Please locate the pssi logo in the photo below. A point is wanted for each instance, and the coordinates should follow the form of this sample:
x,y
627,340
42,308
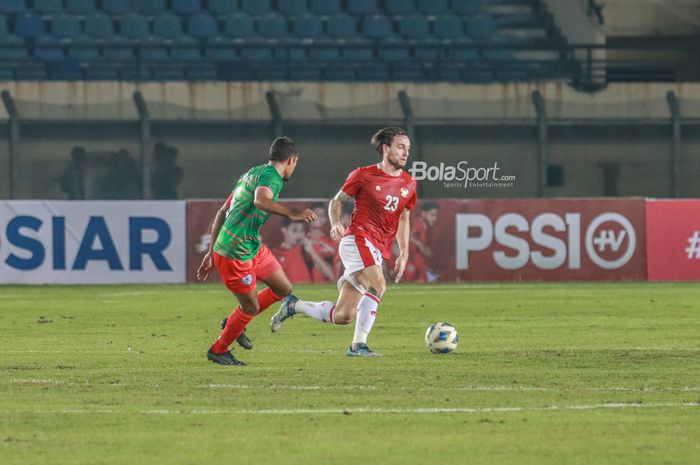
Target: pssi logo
x,y
29,253
610,240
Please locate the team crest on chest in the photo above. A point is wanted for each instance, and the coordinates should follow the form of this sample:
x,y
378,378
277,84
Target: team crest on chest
x,y
378,188
404,192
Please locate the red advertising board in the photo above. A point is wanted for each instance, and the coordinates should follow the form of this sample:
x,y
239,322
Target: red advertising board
x,y
673,240
481,240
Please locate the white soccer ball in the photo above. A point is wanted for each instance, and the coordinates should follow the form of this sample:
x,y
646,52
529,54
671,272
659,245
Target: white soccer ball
x,y
441,338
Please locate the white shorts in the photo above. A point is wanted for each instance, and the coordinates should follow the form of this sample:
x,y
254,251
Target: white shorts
x,y
357,253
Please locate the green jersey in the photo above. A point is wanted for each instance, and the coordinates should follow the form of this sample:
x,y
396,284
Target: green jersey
x,y
239,237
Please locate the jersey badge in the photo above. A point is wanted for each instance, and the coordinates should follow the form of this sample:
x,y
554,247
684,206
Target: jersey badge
x,y
247,279
378,188
404,192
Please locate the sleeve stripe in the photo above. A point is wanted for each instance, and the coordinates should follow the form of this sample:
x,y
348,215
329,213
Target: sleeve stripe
x,y
268,188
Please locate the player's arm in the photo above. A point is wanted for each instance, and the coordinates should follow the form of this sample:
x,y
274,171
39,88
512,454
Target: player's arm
x,y
335,209
422,246
403,235
263,201
207,262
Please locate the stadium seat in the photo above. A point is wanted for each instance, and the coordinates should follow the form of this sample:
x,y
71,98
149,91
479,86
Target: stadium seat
x,y
256,7
414,27
362,7
34,71
449,27
150,7
81,7
358,49
466,7
342,26
434,7
83,49
65,26
134,26
186,7
14,47
202,72
152,50
29,25
377,27
116,7
186,49
239,26
48,6
481,27
99,26
324,50
308,26
222,7
220,49
119,49
12,6
373,72
64,70
48,48
408,71
326,7
465,51
202,25
292,7
167,26
393,49
400,7
272,26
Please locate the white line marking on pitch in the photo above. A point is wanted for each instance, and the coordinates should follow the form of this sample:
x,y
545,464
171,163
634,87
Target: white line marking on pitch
x,y
420,411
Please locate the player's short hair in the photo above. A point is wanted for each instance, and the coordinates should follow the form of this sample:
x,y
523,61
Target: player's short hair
x,y
282,149
385,137
427,206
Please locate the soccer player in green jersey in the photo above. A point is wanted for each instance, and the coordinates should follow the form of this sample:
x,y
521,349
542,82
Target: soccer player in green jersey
x,y
236,249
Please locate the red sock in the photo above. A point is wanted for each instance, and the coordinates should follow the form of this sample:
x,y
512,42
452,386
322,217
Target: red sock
x,y
238,320
266,298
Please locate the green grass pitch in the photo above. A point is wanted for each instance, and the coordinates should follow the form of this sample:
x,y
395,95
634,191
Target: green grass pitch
x,y
545,374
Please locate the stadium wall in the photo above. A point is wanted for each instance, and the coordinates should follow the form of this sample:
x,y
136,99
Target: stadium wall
x,y
219,129
59,242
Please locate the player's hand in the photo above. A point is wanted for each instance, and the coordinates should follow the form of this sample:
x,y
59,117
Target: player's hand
x,y
205,267
337,231
400,266
306,215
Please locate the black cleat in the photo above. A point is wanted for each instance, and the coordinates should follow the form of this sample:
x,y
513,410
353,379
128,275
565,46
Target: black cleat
x,y
226,358
242,340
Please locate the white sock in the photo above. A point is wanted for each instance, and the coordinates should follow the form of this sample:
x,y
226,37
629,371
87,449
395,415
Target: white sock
x,y
321,311
366,313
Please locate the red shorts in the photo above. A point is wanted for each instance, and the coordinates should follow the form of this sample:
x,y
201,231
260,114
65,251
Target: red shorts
x,y
240,276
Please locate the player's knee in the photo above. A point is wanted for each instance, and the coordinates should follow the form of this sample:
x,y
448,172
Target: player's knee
x,y
284,290
251,308
377,289
343,318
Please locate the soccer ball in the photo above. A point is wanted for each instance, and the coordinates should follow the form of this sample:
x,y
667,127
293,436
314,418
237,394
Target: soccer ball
x,y
441,338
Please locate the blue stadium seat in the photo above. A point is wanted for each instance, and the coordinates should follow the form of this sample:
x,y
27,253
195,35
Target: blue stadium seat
x,y
150,7
256,7
377,27
48,6
408,71
134,26
400,7
362,7
463,51
99,26
373,72
152,49
16,47
257,51
342,26
119,49
202,25
326,7
64,70
116,7
48,48
167,73
167,26
186,49
414,27
308,26
65,26
428,48
186,7
358,49
272,26
324,50
12,6
449,27
29,25
292,7
220,49
481,27
239,26
81,7
434,7
222,7
202,72
83,48
393,49
466,7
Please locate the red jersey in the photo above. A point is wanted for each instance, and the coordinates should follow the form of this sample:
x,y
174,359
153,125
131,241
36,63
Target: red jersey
x,y
379,201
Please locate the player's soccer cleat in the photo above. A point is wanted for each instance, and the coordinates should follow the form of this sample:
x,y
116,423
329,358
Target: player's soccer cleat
x,y
361,351
226,358
286,311
242,340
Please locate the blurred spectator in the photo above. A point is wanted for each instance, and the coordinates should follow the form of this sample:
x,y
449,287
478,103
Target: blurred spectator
x,y
345,220
166,175
419,251
72,180
297,256
123,178
319,234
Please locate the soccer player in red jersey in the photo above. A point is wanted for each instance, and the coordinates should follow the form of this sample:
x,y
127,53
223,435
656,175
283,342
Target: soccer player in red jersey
x,y
384,195
237,251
